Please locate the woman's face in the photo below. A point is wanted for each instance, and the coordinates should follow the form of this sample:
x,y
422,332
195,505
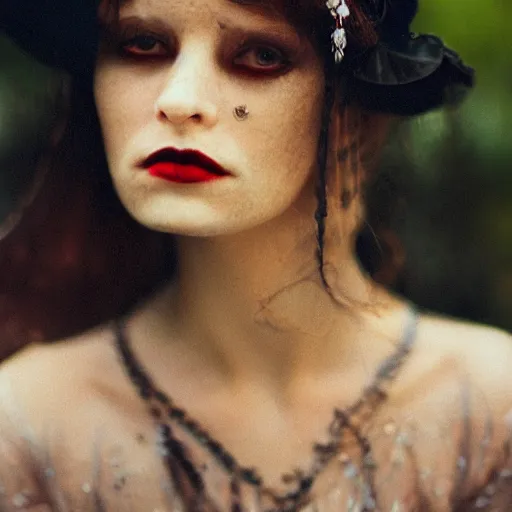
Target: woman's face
x,y
170,74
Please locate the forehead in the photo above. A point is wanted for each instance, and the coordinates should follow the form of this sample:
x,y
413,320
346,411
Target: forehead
x,y
263,4
294,10
270,5
309,17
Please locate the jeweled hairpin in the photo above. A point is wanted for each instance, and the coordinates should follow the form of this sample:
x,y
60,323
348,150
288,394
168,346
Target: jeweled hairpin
x,y
339,11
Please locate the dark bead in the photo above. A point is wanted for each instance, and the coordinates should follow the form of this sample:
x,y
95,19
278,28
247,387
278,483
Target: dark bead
x,y
325,449
162,397
165,430
343,419
178,452
201,438
235,487
176,414
290,496
215,446
306,484
227,460
155,412
251,477
192,426
369,461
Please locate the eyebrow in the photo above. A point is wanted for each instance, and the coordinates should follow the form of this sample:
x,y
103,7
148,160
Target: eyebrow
x,y
267,5
251,2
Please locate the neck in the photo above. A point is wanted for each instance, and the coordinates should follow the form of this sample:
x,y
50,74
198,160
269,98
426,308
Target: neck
x,y
252,306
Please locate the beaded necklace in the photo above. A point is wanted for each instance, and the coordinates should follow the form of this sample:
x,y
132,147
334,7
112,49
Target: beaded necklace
x,y
163,410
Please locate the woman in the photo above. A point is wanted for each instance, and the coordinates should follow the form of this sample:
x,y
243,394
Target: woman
x,y
267,378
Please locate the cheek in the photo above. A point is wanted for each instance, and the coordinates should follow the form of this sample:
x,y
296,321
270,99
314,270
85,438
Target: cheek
x,y
117,117
108,115
291,135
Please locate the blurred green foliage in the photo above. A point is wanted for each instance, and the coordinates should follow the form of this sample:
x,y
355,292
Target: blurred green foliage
x,y
448,172
454,172
27,102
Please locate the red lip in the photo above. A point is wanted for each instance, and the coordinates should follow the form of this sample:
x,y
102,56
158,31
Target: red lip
x,y
183,166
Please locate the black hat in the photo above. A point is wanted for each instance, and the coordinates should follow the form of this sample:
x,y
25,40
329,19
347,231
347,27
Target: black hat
x,y
403,74
59,33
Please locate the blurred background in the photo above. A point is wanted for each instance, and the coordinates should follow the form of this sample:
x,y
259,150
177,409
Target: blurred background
x,y
446,178
455,172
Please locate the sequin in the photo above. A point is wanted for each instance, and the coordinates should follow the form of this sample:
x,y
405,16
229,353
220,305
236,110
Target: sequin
x,y
482,502
49,473
462,463
350,471
490,489
397,456
396,507
403,438
506,473
389,428
425,474
439,491
352,505
20,500
114,462
369,461
160,443
369,501
348,420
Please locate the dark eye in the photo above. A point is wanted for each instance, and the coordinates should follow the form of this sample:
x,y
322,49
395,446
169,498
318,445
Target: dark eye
x,y
262,58
144,46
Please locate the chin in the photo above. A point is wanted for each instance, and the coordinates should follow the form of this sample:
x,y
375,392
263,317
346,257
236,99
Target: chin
x,y
201,226
194,231
196,225
199,216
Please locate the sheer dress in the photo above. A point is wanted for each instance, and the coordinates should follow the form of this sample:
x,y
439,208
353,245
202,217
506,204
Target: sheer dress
x,y
394,459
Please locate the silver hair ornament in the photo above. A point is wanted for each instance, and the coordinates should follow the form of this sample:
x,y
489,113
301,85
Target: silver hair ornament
x,y
340,12
241,113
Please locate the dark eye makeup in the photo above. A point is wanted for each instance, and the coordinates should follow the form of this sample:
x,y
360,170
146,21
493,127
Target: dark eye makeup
x,y
259,56
254,54
143,45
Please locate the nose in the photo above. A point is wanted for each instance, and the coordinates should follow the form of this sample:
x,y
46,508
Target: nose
x,y
189,94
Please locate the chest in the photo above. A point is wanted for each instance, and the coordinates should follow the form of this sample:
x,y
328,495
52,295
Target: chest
x,y
395,467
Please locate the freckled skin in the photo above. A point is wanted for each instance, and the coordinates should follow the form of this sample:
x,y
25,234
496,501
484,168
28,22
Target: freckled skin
x,y
187,101
246,338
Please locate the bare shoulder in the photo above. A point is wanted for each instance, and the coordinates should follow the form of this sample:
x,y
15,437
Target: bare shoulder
x,y
482,354
73,417
455,402
37,386
454,358
44,379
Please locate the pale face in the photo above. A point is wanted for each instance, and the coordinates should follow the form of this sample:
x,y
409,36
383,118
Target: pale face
x,y
186,65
